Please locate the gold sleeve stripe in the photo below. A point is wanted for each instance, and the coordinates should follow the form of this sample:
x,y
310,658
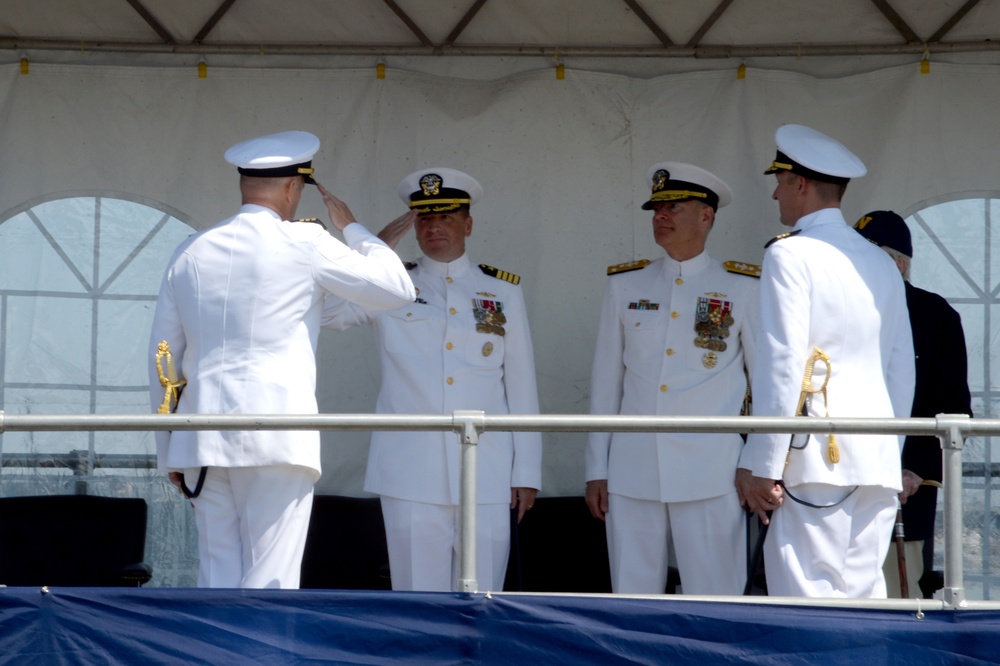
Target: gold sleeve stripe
x,y
674,195
430,202
499,274
781,237
743,268
313,220
628,266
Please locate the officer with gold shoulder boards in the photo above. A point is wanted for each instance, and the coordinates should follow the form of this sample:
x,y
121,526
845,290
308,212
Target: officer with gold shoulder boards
x,y
826,293
464,344
240,306
675,338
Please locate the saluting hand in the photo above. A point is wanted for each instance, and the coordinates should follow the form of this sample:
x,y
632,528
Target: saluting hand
x,y
340,214
395,230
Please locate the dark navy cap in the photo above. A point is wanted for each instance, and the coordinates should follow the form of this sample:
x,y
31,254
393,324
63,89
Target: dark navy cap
x,y
886,229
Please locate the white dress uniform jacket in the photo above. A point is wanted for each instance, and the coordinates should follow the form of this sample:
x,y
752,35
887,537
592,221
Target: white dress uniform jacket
x,y
240,305
828,287
435,361
647,362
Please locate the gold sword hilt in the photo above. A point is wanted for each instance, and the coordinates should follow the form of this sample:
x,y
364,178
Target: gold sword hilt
x,y
166,370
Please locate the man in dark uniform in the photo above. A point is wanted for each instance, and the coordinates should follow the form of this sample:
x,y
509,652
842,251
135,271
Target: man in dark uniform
x,y
942,387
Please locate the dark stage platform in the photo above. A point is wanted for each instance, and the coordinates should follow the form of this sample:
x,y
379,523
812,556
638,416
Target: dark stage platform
x,y
220,627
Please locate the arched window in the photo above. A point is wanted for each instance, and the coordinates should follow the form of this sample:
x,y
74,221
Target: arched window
x,y
957,255
79,277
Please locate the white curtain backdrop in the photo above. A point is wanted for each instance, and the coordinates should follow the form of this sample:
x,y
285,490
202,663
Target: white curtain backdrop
x,y
562,164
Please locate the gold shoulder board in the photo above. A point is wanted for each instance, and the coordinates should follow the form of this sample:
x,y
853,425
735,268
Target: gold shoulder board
x,y
743,268
314,220
499,274
628,266
781,236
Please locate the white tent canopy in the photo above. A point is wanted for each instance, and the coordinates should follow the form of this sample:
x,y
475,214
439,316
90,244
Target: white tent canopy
x,y
687,28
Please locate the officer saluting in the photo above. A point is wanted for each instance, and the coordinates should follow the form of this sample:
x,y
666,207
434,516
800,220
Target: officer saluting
x,y
239,307
675,338
826,292
464,344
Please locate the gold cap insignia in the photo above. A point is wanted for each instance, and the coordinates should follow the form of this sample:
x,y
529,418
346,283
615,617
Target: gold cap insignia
x,y
660,179
430,185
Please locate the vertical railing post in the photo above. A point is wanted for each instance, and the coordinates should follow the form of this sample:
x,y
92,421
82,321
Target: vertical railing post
x,y
468,425
79,462
952,428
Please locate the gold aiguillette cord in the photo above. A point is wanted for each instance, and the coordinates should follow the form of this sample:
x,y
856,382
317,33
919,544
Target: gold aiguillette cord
x,y
833,451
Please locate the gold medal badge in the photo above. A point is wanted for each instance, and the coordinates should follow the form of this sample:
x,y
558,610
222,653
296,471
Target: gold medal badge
x,y
489,317
712,319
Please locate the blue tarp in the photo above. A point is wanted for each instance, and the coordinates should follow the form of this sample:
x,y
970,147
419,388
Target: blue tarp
x,y
220,627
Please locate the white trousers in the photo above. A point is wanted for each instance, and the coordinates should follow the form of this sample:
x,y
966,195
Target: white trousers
x,y
252,524
834,552
709,538
423,544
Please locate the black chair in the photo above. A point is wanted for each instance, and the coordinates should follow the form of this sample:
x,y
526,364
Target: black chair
x,y
559,547
345,546
73,541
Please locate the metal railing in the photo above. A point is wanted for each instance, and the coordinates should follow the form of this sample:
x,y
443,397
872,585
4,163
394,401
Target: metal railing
x,y
951,430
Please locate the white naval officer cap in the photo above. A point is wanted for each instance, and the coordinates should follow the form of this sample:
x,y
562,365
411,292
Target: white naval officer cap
x,y
678,181
276,155
439,190
806,152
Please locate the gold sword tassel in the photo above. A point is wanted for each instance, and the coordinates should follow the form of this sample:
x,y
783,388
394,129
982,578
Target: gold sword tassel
x,y
833,451
169,380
